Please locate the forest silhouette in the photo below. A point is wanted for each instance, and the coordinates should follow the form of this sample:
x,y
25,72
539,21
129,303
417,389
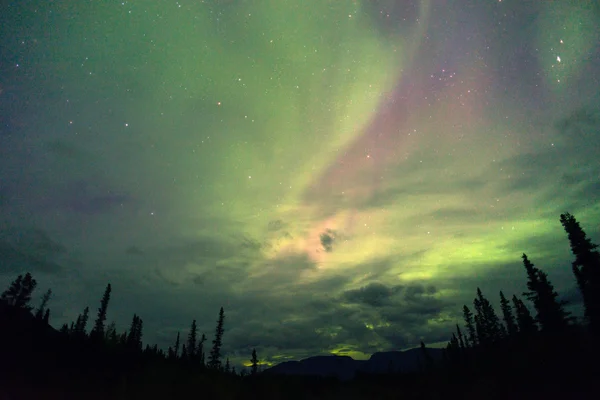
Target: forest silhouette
x,y
532,348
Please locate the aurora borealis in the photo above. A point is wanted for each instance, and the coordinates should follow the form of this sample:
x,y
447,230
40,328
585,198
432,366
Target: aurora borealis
x,y
339,175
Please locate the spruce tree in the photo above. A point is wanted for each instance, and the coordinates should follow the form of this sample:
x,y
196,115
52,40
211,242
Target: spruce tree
x,y
525,321
110,336
214,360
46,317
19,292
550,312
184,355
201,355
176,348
586,269
81,324
191,342
227,367
487,322
470,325
507,316
461,342
134,338
427,357
254,361
39,314
98,330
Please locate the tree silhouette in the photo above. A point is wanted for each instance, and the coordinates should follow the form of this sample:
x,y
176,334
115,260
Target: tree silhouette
x,y
191,341
427,357
201,349
134,338
254,361
175,353
98,330
81,324
470,325
586,269
184,354
110,336
214,360
227,367
39,314
19,292
461,342
525,321
46,317
550,312
507,316
486,321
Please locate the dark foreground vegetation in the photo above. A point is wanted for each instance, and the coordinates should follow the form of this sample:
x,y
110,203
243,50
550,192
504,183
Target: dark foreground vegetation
x,y
517,354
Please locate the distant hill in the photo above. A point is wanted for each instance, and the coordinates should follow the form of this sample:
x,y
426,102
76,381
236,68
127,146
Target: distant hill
x,y
345,368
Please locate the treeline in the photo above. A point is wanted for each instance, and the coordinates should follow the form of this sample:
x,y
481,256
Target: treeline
x,y
41,356
17,298
548,341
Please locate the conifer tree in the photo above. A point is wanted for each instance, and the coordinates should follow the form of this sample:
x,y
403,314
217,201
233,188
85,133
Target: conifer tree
x,y
254,361
201,355
586,269
461,342
507,316
470,325
550,312
19,292
525,321
191,342
39,314
184,355
98,330
109,329
427,357
110,336
227,367
64,329
488,324
134,338
81,324
46,317
214,360
176,348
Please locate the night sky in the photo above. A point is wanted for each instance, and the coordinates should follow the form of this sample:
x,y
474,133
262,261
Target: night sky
x,y
339,175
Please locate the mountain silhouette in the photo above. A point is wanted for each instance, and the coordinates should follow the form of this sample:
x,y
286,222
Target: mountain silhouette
x,y
346,368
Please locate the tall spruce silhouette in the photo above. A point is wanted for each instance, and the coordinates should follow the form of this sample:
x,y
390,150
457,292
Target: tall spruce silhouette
x,y
254,361
486,320
525,321
175,353
19,292
134,337
507,316
214,360
462,341
191,341
470,325
98,329
201,355
79,331
39,314
550,312
427,359
586,269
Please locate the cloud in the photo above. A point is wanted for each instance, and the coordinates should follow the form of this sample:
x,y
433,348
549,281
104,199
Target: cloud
x,y
29,250
374,294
